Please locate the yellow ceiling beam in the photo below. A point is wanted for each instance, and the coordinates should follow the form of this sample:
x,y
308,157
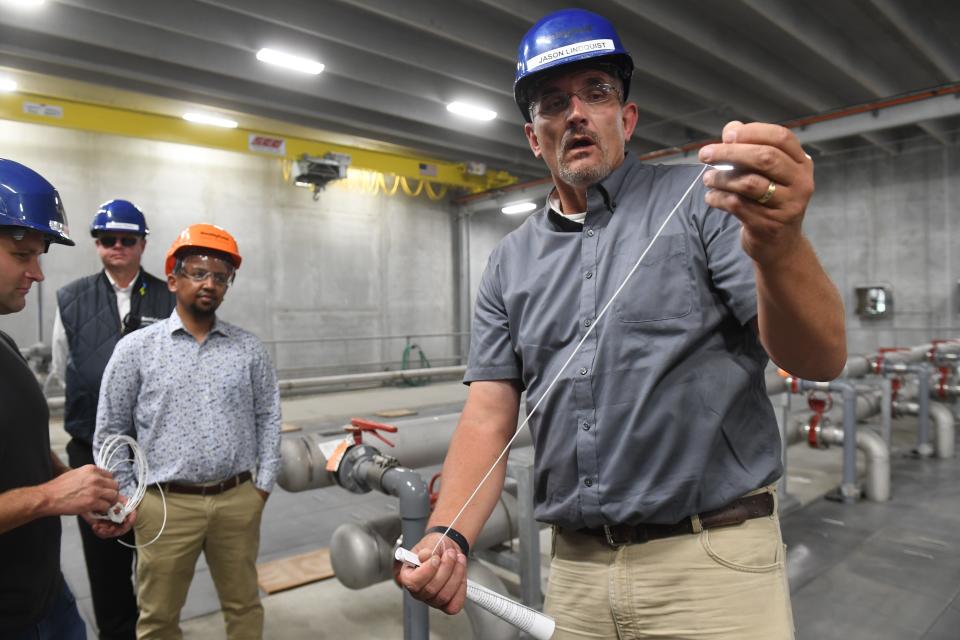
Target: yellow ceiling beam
x,y
69,114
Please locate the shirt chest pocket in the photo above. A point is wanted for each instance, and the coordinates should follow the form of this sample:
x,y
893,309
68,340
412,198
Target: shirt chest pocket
x,y
661,288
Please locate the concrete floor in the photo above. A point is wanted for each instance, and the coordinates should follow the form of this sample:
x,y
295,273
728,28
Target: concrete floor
x,y
862,571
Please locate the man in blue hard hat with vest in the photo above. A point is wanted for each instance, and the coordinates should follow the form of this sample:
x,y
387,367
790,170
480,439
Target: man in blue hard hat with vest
x,y
658,450
93,313
36,488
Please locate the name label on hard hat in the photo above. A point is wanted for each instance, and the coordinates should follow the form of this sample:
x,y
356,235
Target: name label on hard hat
x,y
124,226
568,51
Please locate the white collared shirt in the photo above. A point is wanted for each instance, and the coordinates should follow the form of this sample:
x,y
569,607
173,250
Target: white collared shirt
x,y
60,349
554,202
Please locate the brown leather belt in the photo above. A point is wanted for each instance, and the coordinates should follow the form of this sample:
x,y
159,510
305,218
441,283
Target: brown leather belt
x,y
740,510
208,489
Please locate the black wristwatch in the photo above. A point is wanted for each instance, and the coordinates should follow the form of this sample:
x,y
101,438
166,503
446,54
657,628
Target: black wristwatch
x,y
454,535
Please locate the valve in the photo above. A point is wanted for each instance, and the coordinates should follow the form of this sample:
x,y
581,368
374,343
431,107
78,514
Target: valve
x,y
359,426
434,489
942,369
820,402
881,352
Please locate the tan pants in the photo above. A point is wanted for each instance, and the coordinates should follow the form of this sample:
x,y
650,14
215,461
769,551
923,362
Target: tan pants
x,y
226,527
727,583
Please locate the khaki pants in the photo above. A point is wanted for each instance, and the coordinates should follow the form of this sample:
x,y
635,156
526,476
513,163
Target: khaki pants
x,y
226,527
727,583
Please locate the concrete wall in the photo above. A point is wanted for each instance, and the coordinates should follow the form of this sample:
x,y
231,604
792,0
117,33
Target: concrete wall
x,y
874,218
894,220
354,264
350,264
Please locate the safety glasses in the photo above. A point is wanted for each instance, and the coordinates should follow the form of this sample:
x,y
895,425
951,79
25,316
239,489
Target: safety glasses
x,y
109,241
220,278
554,103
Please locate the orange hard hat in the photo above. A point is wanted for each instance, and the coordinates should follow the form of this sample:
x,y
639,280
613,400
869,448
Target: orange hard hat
x,y
203,236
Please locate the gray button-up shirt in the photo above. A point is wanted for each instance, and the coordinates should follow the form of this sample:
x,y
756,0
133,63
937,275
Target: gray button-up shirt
x,y
201,412
663,413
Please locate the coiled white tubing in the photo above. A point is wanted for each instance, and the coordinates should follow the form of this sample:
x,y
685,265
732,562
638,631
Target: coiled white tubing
x,y
107,459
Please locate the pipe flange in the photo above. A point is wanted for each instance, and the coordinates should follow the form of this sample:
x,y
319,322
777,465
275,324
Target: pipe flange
x,y
347,476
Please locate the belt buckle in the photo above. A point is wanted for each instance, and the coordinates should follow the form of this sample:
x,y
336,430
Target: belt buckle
x,y
611,540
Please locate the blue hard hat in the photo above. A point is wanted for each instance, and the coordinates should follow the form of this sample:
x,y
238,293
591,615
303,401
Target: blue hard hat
x,y
119,216
566,37
28,201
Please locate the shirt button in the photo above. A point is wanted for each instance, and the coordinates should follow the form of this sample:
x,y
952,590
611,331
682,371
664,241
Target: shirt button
x,y
588,275
586,322
586,426
590,232
588,482
583,371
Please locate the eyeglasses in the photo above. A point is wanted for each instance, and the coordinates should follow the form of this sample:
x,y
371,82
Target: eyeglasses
x,y
220,278
556,102
109,241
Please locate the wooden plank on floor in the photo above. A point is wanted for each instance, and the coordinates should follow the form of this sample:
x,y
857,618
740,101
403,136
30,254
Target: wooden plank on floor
x,y
395,413
294,571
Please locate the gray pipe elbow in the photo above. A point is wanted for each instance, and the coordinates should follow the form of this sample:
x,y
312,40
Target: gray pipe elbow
x,y
410,489
877,485
944,436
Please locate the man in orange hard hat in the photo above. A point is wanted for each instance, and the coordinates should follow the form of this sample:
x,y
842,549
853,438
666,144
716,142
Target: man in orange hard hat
x,y
201,397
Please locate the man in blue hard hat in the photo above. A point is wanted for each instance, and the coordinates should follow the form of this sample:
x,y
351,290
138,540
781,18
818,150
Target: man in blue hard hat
x,y
36,488
657,451
93,313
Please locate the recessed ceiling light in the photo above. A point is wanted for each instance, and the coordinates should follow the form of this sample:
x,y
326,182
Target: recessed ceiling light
x,y
471,111
216,121
518,207
28,4
7,85
288,61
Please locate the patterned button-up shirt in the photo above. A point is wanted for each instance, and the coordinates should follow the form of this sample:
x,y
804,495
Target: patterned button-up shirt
x,y
201,412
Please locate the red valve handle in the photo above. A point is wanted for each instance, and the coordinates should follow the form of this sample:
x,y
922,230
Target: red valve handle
x,y
358,426
820,402
433,490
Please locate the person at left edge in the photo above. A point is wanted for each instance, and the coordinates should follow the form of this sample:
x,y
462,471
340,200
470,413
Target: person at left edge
x,y
93,313
36,488
201,397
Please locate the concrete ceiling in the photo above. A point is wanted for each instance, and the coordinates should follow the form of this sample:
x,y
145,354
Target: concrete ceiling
x,y
391,67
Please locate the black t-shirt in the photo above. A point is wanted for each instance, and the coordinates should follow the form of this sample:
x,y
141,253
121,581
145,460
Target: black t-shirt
x,y
29,555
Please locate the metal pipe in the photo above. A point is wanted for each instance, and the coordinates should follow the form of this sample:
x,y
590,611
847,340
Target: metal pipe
x,y
362,553
363,469
848,486
924,448
858,366
414,498
944,431
877,473
300,385
922,392
376,376
420,442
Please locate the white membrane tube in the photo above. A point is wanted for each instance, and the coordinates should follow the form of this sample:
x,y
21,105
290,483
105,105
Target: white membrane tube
x,y
529,620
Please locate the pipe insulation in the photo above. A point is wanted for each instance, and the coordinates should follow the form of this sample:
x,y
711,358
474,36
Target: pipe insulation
x,y
362,553
420,442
